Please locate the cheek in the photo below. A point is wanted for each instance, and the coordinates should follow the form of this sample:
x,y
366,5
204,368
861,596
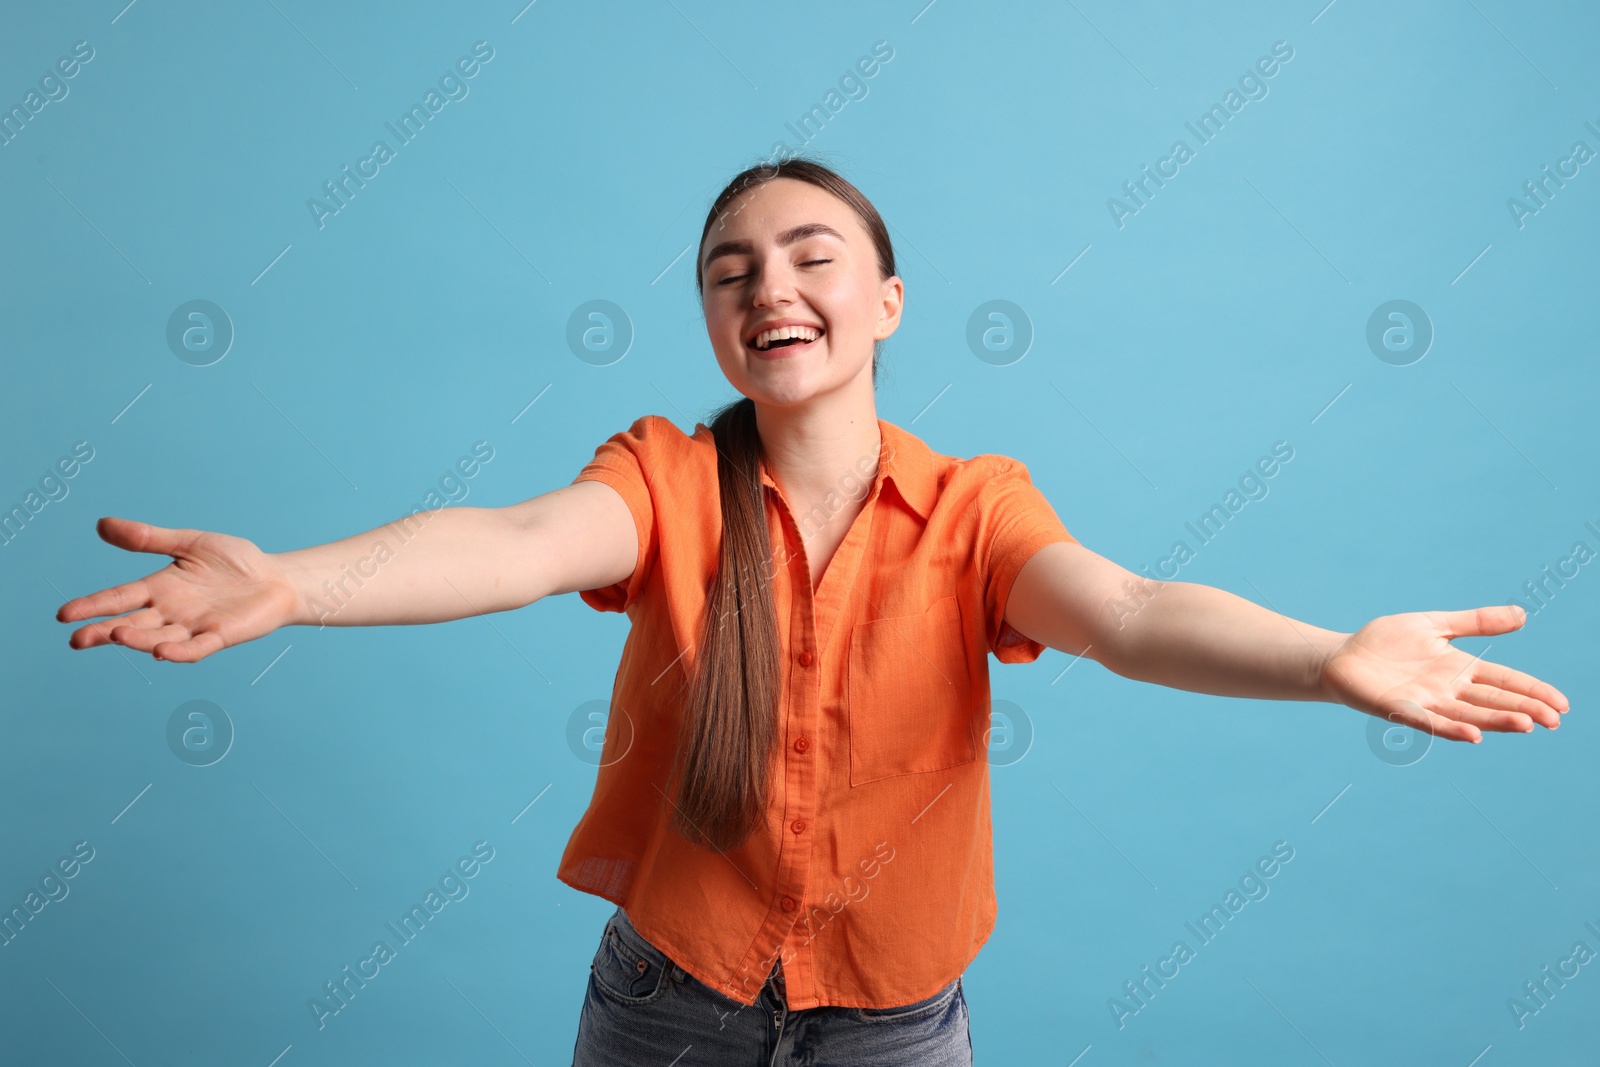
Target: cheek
x,y
727,360
850,303
720,321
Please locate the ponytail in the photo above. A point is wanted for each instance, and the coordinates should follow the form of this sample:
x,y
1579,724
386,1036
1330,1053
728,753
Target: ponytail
x,y
730,723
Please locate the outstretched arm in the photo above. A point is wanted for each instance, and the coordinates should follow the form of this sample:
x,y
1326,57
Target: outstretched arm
x,y
446,564
432,566
1190,636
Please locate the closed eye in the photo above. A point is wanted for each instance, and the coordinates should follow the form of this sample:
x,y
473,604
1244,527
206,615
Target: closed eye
x,y
740,277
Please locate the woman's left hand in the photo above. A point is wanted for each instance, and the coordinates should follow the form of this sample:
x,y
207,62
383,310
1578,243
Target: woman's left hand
x,y
1404,669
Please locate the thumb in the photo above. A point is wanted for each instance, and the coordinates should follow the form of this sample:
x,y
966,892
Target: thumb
x,y
143,537
1474,622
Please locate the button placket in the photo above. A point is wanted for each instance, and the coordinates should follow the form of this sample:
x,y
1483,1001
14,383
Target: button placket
x,y
803,695
810,617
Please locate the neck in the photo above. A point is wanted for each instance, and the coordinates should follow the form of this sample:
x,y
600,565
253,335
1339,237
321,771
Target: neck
x,y
830,445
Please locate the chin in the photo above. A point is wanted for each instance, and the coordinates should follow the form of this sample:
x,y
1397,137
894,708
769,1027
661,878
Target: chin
x,y
783,396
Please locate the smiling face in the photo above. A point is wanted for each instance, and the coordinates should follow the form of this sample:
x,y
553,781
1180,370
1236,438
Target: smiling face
x,y
790,256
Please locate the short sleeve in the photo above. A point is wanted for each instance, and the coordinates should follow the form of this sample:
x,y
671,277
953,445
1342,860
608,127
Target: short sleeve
x,y
627,462
1015,521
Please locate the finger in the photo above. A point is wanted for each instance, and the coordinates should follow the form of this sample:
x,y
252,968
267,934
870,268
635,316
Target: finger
x,y
141,639
1477,622
99,633
113,601
95,634
1505,722
91,636
1409,713
195,648
1488,696
1515,681
142,537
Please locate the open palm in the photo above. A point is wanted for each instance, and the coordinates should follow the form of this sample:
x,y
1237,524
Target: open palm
x,y
1404,669
218,591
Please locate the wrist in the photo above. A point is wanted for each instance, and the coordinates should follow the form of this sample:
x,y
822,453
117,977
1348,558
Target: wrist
x,y
296,579
1325,644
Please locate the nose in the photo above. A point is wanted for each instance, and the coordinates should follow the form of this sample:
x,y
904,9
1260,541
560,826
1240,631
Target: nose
x,y
774,286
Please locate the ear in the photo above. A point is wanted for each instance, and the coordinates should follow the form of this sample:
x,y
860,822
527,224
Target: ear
x,y
892,292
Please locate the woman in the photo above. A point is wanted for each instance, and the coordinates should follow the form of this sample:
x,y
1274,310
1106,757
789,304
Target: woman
x,y
792,808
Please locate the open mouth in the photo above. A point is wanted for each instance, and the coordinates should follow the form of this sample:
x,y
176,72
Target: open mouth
x,y
785,338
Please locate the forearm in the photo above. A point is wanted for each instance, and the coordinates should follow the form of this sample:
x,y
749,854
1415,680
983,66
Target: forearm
x,y
431,566
1207,640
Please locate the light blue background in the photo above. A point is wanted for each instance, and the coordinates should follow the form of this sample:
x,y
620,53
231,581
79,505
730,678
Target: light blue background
x,y
1228,314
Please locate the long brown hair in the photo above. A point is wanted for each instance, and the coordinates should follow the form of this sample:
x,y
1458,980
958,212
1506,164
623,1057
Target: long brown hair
x,y
730,722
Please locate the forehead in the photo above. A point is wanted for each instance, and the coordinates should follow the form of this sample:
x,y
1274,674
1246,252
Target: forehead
x,y
766,209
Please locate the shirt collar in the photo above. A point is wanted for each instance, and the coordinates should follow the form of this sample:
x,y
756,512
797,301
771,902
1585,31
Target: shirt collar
x,y
906,462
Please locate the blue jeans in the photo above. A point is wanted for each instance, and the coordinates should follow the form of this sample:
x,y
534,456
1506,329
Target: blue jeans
x,y
642,1009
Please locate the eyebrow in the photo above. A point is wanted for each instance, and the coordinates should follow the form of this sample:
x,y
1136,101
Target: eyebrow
x,y
786,238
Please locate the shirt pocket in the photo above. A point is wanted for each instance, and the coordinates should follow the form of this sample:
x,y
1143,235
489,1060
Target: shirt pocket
x,y
914,702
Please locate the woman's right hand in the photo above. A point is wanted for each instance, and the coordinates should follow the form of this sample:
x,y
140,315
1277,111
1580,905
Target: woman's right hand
x,y
218,591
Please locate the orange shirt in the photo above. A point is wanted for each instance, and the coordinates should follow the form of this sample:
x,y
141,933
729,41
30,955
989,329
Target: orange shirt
x,y
872,875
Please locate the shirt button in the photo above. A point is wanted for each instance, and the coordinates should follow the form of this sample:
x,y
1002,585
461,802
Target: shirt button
x,y
798,825
805,658
801,744
788,903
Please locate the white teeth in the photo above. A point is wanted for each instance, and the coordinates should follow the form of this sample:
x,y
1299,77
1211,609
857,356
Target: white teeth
x,y
767,337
